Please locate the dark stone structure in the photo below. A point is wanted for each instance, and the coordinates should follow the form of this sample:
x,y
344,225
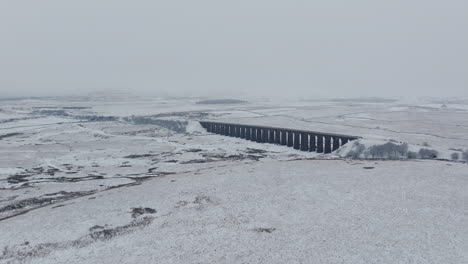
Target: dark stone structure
x,y
304,141
290,138
283,137
299,139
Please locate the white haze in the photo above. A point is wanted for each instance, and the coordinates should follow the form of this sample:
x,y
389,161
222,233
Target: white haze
x,y
335,48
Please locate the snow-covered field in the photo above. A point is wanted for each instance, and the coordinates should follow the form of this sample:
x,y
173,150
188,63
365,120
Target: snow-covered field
x,y
137,180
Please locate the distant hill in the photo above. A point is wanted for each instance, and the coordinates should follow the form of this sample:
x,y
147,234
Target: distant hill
x,y
222,101
365,100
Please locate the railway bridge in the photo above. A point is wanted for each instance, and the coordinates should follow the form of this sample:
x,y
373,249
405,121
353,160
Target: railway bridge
x,y
298,139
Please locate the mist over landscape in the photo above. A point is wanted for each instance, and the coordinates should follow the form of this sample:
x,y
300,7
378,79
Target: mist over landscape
x,y
233,132
243,48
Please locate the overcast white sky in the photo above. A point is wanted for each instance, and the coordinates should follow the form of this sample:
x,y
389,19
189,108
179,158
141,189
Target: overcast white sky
x,y
317,48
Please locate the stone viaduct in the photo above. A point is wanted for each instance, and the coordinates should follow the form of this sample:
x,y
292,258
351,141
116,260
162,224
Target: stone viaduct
x,y
299,139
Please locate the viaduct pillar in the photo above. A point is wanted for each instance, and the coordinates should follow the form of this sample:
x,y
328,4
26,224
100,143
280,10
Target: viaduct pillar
x,y
319,143
312,143
328,147
259,135
290,138
336,143
283,137
304,142
297,143
253,137
344,141
277,136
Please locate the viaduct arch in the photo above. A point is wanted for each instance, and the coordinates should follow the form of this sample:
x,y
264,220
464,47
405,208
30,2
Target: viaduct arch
x,y
298,139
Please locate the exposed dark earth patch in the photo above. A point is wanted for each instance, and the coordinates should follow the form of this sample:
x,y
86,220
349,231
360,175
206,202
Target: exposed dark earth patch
x,y
136,212
22,177
200,201
10,135
78,179
208,157
369,168
197,161
16,119
15,208
11,198
236,157
15,179
182,203
23,206
18,178
95,118
151,170
194,150
264,230
137,156
125,164
56,112
138,178
255,151
97,228
27,251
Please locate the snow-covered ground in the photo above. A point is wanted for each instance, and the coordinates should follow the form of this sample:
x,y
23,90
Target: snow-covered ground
x,y
137,180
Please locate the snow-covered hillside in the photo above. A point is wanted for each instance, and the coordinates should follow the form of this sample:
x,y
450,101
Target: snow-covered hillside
x,y
137,180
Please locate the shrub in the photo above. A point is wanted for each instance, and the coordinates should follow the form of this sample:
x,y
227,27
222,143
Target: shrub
x,y
353,154
428,153
426,144
465,155
388,150
412,155
455,156
357,150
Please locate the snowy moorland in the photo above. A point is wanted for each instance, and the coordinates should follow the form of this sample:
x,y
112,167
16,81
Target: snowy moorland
x,y
137,180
